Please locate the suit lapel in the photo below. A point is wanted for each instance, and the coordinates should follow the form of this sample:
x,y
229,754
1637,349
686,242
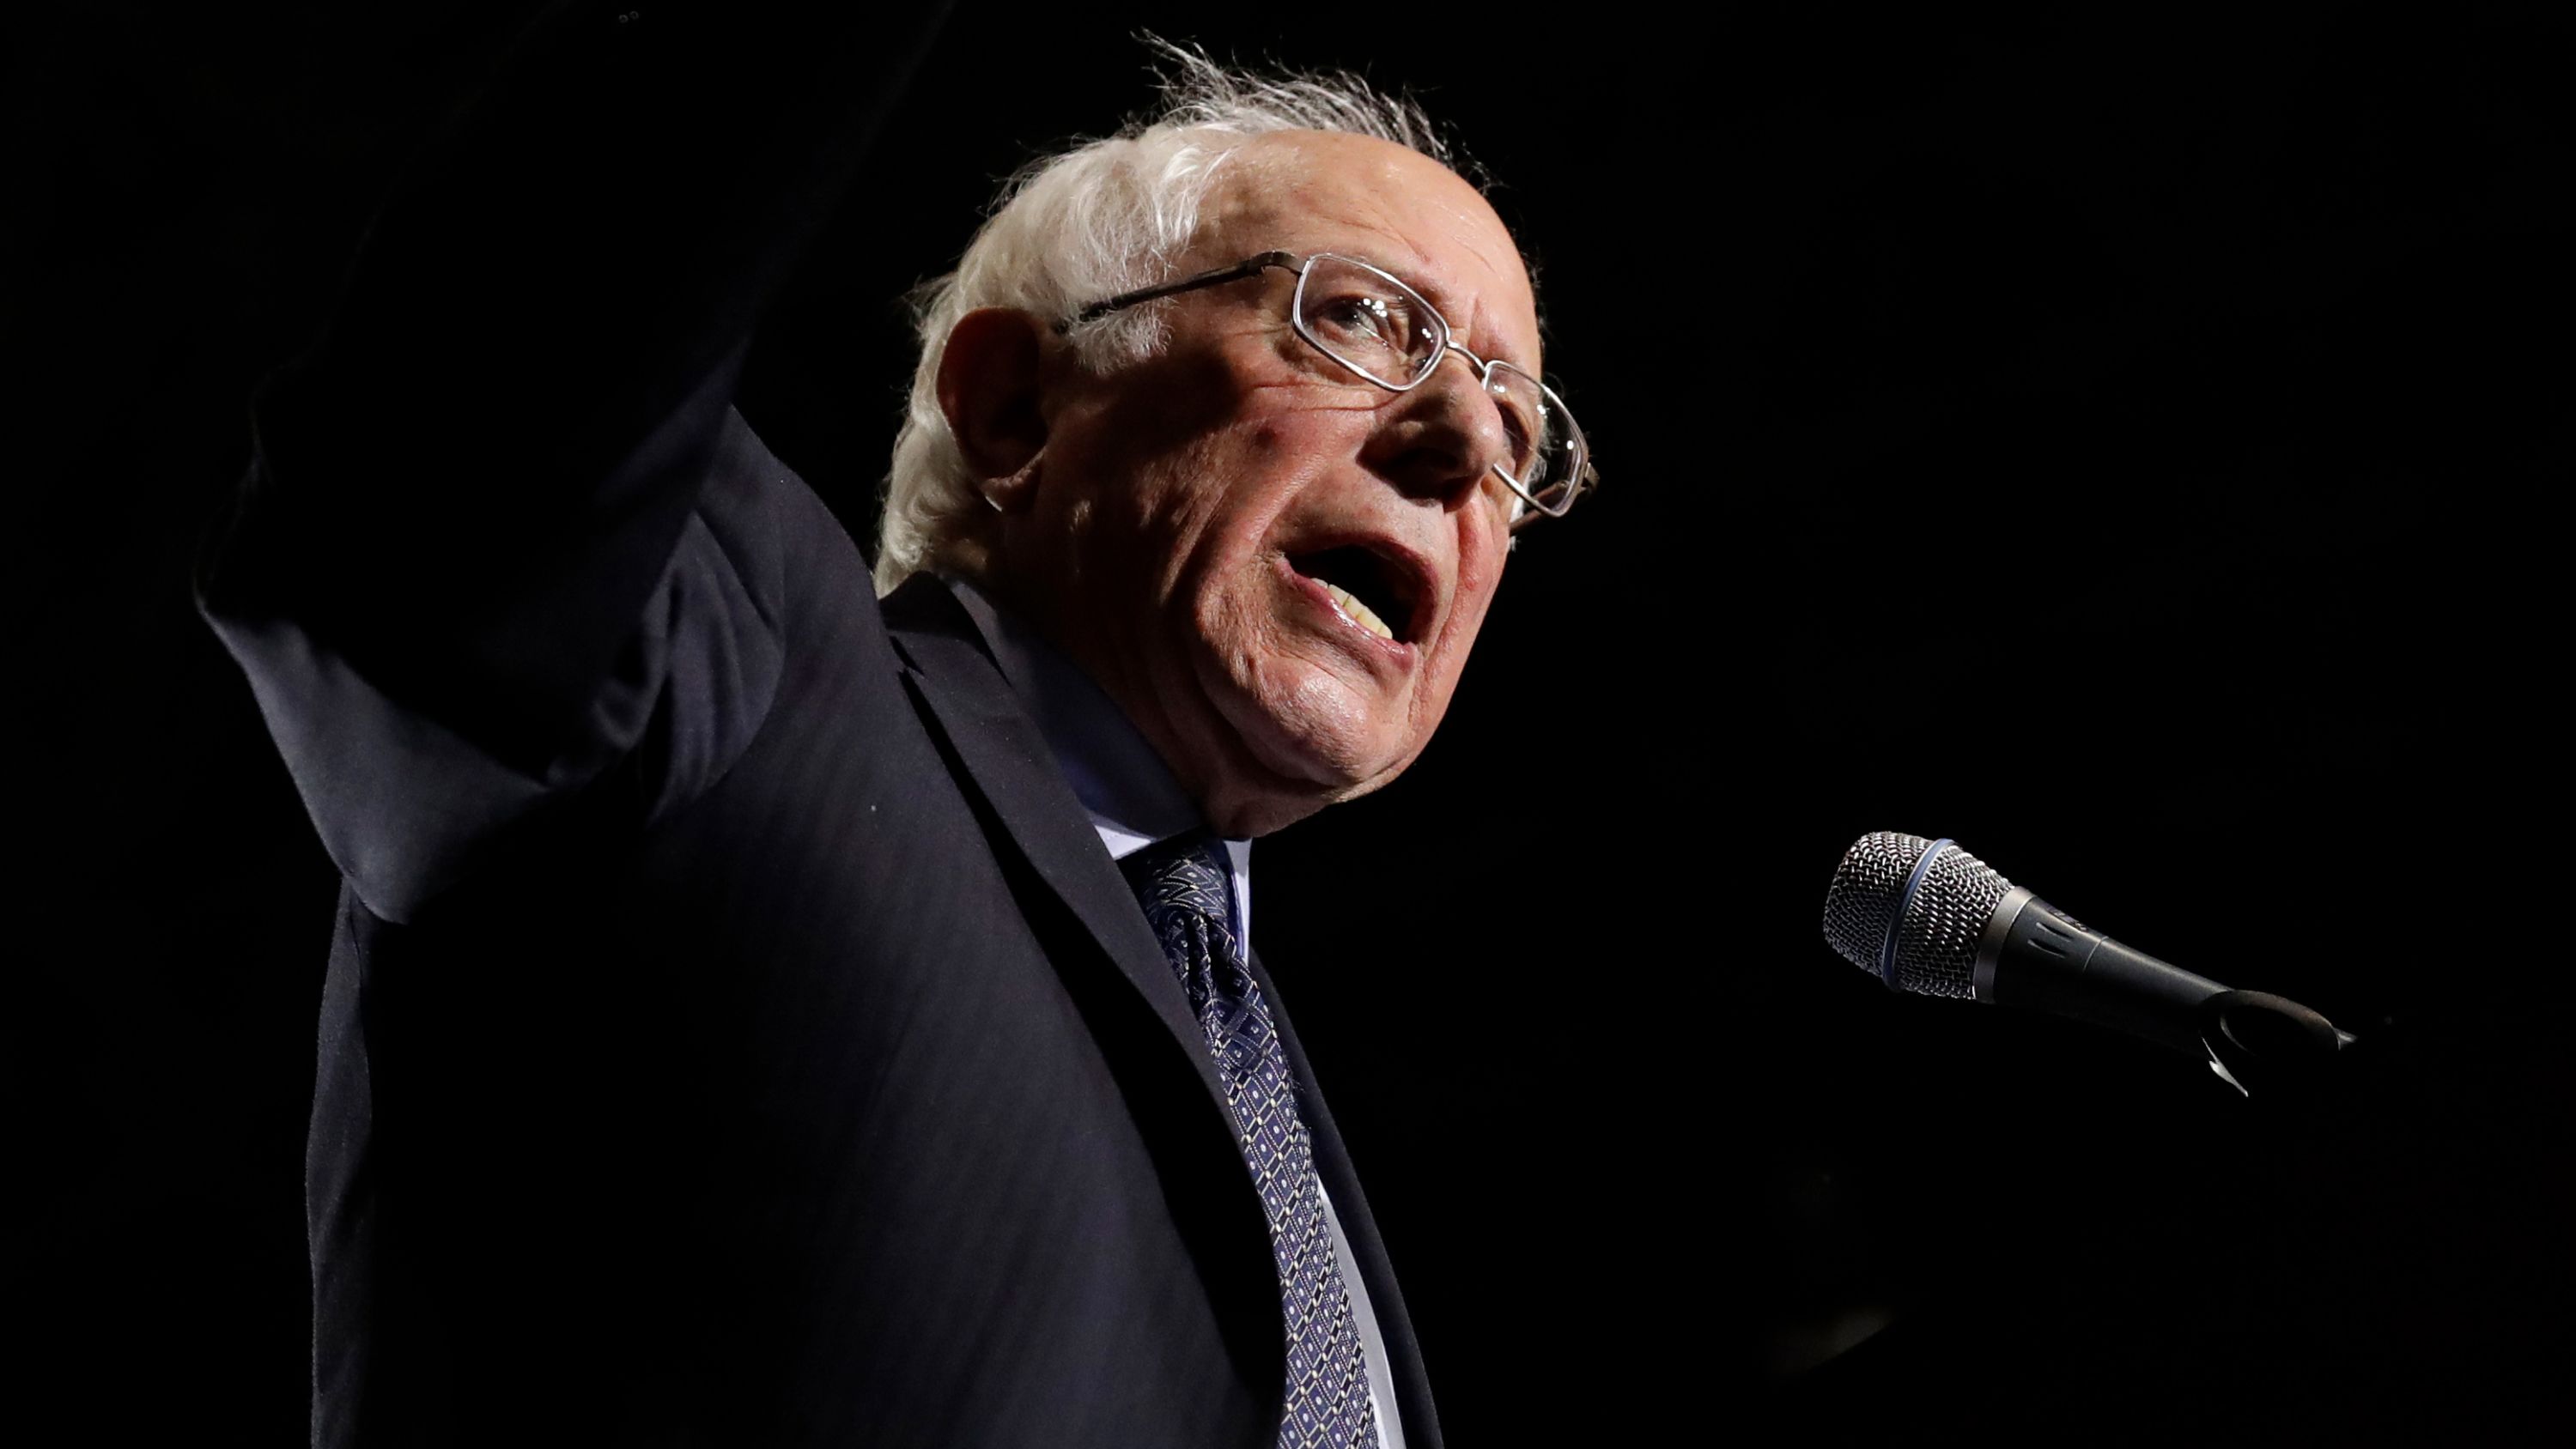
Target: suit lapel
x,y
1008,763
1017,775
1359,1230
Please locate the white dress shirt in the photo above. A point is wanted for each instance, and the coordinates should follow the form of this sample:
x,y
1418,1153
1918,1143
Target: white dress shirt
x,y
1133,801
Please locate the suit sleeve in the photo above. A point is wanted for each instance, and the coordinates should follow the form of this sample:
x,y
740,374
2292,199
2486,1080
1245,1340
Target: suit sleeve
x,y
469,571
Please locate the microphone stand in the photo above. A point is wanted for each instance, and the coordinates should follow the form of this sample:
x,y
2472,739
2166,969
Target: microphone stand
x,y
2265,1045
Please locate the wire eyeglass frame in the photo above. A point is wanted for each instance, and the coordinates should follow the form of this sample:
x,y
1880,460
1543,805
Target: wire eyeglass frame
x,y
1580,477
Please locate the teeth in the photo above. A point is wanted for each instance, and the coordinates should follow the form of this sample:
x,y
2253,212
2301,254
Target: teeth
x,y
1357,612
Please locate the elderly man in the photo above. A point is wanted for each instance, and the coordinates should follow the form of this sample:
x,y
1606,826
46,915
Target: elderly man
x,y
761,1014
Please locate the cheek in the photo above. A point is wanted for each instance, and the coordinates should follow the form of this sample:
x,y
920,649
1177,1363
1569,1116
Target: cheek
x,y
1480,569
1235,489
1163,526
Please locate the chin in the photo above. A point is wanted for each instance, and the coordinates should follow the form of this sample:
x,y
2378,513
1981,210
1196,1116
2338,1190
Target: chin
x,y
1299,738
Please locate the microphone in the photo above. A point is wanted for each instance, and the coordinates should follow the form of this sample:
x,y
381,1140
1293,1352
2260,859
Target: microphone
x,y
1928,918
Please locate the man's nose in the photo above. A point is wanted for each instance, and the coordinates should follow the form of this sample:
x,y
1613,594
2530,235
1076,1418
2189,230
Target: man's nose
x,y
1442,439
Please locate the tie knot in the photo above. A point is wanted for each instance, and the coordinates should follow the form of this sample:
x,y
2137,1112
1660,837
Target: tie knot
x,y
1187,872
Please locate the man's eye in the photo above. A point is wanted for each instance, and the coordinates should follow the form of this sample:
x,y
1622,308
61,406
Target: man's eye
x,y
1383,320
1523,431
1362,314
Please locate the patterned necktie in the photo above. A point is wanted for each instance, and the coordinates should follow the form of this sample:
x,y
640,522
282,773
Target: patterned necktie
x,y
1183,885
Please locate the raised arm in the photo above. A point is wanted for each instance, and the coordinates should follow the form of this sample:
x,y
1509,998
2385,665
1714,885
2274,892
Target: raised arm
x,y
450,573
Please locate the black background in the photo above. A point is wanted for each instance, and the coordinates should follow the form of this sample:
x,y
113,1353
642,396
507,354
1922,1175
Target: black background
x,y
2110,437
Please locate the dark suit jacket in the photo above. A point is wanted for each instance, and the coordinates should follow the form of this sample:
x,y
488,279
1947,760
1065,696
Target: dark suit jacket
x,y
735,1032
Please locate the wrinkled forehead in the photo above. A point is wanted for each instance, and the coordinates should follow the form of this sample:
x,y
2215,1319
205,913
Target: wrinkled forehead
x,y
1311,191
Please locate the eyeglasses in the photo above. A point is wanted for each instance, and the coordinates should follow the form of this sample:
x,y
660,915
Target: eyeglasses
x,y
1373,324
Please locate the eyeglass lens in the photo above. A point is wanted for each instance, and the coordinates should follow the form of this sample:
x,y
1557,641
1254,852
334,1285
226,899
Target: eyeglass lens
x,y
1384,330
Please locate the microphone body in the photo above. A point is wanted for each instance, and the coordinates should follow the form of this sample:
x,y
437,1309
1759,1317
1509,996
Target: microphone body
x,y
2035,956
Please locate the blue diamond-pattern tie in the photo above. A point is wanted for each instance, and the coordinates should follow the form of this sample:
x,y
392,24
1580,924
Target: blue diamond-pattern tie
x,y
1183,884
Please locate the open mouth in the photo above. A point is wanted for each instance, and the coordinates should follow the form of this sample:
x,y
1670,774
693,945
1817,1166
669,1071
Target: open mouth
x,y
1381,595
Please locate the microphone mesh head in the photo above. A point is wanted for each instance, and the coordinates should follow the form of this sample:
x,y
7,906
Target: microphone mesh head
x,y
1860,906
1926,942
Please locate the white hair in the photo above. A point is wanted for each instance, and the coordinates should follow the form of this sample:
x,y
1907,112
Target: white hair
x,y
1105,217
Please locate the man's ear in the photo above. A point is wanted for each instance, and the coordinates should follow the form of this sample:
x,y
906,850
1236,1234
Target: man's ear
x,y
989,382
